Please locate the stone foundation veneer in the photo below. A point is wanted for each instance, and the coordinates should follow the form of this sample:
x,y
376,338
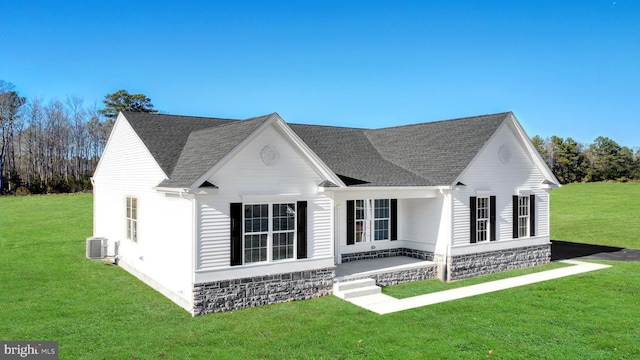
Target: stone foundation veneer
x,y
376,254
465,266
401,276
234,294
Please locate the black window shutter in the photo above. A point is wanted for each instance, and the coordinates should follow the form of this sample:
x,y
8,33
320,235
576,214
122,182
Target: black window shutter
x,y
492,218
236,233
351,222
394,219
301,225
532,215
515,216
472,210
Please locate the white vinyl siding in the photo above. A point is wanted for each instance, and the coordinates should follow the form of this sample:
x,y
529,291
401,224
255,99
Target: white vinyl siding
x,y
487,173
286,181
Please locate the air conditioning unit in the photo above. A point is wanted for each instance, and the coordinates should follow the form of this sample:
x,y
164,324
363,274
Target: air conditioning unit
x,y
96,247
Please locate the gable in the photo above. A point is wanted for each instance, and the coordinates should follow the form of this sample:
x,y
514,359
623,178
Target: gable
x,y
507,161
270,163
205,148
125,156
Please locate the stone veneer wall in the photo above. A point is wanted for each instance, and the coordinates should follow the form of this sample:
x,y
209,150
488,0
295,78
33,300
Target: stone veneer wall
x,y
376,254
243,293
401,276
465,266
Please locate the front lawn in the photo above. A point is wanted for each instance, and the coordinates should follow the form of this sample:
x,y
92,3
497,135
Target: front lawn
x,y
49,291
597,213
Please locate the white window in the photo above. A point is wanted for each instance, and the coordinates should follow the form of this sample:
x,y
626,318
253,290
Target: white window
x,y
132,219
269,232
482,219
381,219
372,220
523,216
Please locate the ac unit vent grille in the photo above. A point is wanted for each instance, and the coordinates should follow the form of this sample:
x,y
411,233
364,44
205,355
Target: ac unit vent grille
x,y
95,248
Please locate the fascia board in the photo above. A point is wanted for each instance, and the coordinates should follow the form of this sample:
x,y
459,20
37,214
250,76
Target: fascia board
x,y
534,155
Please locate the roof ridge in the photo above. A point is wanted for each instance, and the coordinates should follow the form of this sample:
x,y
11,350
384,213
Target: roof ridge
x,y
176,115
440,121
233,122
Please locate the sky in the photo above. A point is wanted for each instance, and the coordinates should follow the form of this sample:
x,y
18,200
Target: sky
x,y
565,68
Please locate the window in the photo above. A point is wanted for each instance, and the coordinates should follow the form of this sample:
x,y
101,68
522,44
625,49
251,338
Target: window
x,y
371,220
284,226
381,220
523,216
482,219
269,232
361,221
132,219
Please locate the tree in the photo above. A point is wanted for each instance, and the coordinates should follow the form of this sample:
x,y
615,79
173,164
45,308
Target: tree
x,y
540,145
121,100
609,161
10,104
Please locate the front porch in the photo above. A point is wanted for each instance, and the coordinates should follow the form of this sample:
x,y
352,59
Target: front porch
x,y
387,270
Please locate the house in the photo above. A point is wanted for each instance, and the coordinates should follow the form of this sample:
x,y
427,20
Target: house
x,y
221,214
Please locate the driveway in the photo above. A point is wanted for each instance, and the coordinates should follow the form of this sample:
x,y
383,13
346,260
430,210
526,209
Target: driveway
x,y
563,250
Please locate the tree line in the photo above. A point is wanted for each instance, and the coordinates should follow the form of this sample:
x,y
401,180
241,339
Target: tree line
x,y
603,160
54,147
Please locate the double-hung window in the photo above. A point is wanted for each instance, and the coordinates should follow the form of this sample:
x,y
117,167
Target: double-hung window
x,y
483,218
524,216
132,219
371,220
268,232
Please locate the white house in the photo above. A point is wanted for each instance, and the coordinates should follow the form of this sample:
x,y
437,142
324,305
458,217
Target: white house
x,y
221,214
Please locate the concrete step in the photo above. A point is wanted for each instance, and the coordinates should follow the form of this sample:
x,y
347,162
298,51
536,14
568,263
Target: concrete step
x,y
356,288
353,284
359,292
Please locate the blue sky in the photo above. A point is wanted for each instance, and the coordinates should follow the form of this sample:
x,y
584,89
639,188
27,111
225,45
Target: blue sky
x,y
565,68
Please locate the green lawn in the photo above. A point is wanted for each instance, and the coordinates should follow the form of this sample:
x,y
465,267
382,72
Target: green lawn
x,y
49,291
597,213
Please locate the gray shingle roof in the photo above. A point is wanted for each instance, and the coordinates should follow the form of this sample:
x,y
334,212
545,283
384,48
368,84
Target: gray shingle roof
x,y
204,148
425,154
440,150
166,135
351,155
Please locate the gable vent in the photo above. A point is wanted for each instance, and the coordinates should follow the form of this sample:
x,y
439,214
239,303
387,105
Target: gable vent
x,y
207,184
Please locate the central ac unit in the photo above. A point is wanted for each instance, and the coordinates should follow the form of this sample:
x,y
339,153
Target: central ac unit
x,y
96,247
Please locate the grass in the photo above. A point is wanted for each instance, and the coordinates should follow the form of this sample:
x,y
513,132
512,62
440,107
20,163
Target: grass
x,y
430,286
49,291
597,213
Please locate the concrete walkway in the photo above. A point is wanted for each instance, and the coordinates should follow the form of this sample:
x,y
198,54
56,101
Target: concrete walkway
x,y
384,304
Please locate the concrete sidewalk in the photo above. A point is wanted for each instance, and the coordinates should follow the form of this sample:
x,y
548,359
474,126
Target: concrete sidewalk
x,y
384,304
